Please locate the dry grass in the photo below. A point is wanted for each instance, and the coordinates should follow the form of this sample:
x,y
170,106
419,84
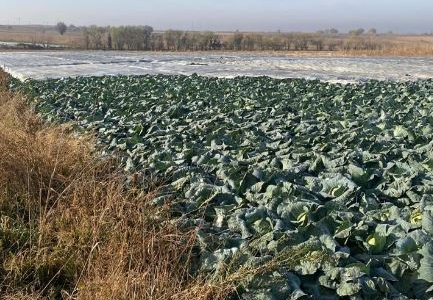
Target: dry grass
x,y
231,277
69,39
395,49
70,225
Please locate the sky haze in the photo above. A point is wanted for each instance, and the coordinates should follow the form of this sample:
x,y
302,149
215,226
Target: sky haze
x,y
404,16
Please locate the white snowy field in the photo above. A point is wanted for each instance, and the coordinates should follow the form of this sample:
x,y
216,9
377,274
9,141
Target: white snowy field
x,y
43,64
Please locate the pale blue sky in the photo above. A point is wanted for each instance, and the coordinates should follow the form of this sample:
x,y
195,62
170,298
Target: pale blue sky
x,y
228,15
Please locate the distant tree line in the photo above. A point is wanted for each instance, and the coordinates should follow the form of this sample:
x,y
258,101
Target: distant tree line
x,y
145,38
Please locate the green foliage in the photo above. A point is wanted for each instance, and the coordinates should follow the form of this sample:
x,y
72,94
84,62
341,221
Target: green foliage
x,y
263,165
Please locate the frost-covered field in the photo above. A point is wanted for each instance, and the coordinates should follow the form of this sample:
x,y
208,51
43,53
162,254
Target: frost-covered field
x,y
41,65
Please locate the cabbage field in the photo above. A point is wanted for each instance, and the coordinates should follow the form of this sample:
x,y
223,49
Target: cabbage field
x,y
265,167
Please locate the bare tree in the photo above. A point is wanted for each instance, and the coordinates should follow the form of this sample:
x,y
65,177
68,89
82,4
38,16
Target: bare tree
x,y
118,38
109,41
157,42
317,43
147,34
237,40
170,39
248,42
301,42
61,27
94,37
